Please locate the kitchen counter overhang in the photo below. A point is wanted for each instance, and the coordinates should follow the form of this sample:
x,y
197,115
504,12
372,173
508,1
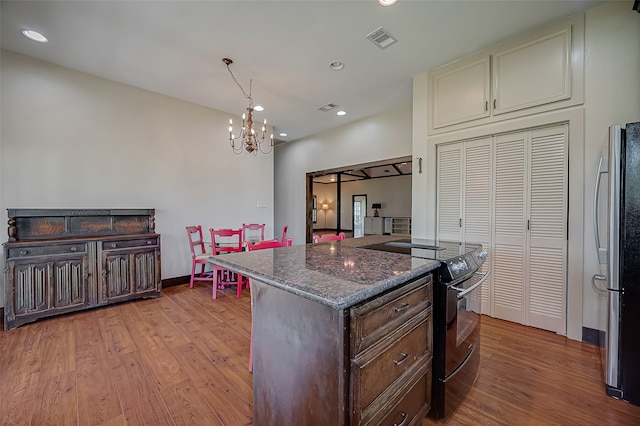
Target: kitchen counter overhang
x,y
338,274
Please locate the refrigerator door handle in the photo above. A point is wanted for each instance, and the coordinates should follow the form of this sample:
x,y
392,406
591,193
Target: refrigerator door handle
x,y
603,167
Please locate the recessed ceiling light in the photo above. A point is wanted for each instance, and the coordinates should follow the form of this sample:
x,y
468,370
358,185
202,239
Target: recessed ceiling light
x,y
387,2
341,113
283,134
258,108
35,36
336,65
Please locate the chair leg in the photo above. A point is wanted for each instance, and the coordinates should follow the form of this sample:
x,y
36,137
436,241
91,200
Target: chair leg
x,y
215,281
193,271
251,341
239,281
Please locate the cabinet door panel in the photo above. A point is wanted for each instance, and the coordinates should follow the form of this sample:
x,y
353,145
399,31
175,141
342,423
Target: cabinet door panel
x,y
548,228
461,93
117,280
31,287
532,74
449,198
144,271
69,277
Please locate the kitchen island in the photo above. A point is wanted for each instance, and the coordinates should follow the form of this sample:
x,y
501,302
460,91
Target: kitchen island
x,y
341,335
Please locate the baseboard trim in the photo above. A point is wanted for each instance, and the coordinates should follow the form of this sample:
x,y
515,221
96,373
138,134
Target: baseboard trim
x,y
593,336
170,282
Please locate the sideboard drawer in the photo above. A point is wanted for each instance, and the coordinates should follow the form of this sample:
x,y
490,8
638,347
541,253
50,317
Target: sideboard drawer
x,y
373,320
47,250
130,243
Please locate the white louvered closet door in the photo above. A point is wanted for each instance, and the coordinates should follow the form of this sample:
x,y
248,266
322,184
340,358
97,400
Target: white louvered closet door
x,y
547,229
477,204
509,254
449,190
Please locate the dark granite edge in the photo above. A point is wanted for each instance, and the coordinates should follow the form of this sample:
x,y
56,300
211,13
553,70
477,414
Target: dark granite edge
x,y
343,302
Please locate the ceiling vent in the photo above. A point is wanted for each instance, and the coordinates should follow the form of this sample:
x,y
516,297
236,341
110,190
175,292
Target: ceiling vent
x,y
327,107
381,38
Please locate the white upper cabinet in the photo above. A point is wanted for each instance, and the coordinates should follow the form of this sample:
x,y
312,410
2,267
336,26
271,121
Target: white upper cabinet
x,y
529,75
461,93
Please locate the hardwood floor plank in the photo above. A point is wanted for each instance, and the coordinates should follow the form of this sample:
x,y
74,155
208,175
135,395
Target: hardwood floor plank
x,y
166,370
58,401
115,335
97,396
59,346
187,406
182,359
139,397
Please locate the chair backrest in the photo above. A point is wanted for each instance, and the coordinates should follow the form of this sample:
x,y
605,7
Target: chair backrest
x,y
329,237
283,236
257,228
196,243
226,240
267,244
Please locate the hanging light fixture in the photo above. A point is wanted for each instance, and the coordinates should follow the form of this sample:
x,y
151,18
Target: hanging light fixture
x,y
248,139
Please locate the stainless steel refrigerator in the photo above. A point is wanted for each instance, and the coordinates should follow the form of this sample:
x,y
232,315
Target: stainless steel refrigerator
x,y
619,253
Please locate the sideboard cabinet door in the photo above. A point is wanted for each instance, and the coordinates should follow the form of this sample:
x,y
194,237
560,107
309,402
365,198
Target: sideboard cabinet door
x,y
41,286
130,269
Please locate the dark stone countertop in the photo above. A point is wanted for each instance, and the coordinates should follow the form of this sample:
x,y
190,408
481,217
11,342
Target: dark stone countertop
x,y
337,274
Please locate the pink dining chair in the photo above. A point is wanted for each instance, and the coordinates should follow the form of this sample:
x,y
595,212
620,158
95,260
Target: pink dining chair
x,y
226,241
330,237
261,245
199,254
254,229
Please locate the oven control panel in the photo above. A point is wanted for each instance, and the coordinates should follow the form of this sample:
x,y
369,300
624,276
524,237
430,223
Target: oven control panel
x,y
463,265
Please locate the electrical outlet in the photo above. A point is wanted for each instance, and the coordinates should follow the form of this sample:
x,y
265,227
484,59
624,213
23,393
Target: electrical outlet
x,y
262,204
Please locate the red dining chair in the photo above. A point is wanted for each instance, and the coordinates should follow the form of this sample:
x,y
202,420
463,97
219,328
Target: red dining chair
x,y
199,254
283,236
261,245
226,241
254,229
330,237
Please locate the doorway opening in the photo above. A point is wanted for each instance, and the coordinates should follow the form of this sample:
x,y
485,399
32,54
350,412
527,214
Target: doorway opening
x,y
359,203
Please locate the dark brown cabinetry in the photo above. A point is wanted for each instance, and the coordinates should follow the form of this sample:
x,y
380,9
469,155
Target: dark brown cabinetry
x,y
391,352
364,365
100,257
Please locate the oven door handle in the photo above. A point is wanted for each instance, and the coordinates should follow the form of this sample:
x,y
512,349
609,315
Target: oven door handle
x,y
463,292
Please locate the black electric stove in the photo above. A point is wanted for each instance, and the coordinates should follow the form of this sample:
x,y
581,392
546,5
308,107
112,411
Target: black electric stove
x,y
456,314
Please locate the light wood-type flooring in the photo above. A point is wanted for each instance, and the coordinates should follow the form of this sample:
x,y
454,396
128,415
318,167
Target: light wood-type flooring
x,y
182,360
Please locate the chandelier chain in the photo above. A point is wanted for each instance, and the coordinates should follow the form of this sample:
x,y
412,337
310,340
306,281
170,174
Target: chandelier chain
x,y
240,86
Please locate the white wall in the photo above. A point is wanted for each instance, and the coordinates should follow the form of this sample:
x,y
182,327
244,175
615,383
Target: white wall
x,y
371,139
393,192
73,140
612,95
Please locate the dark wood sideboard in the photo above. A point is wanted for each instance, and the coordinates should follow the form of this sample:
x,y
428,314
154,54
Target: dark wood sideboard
x,y
65,260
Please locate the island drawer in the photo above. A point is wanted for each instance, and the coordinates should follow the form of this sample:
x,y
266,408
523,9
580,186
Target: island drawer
x,y
376,369
412,409
372,320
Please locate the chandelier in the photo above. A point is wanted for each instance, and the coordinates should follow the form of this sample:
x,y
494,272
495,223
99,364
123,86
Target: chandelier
x,y
248,139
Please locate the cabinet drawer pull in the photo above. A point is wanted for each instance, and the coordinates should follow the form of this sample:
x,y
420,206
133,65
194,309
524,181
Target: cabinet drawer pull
x,y
114,245
23,252
404,419
401,308
402,361
74,248
149,243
